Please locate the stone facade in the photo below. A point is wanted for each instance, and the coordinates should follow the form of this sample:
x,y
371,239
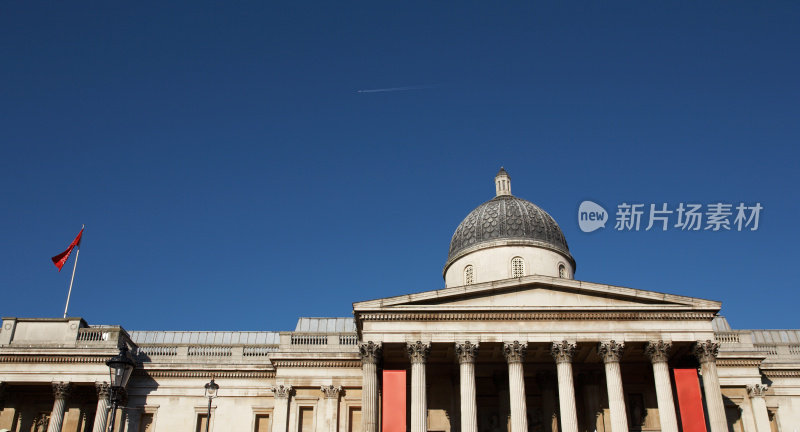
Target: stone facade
x,y
540,351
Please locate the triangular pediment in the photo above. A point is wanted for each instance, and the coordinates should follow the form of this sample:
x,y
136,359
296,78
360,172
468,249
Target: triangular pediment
x,y
533,293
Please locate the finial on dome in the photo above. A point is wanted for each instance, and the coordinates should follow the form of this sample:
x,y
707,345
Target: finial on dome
x,y
502,183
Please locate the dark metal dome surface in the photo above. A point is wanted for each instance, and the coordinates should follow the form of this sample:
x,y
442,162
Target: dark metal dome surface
x,y
507,220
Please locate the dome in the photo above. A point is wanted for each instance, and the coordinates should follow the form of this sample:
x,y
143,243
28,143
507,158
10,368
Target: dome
x,y
507,221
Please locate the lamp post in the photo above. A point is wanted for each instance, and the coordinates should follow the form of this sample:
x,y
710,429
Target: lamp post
x,y
120,368
211,392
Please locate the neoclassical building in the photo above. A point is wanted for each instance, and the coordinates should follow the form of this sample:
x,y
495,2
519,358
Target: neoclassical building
x,y
512,343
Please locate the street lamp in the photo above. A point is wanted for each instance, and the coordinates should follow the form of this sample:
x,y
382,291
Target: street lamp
x,y
120,368
211,392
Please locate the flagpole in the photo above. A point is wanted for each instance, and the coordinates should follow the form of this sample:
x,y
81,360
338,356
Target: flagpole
x,y
72,279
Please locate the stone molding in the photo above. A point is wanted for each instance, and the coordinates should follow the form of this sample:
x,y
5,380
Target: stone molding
x,y
757,390
706,351
515,352
282,391
319,363
103,389
51,359
204,374
370,352
331,391
535,316
418,352
781,373
466,352
611,351
61,390
739,362
657,351
563,351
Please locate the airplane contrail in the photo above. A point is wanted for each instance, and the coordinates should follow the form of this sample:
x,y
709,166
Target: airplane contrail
x,y
393,89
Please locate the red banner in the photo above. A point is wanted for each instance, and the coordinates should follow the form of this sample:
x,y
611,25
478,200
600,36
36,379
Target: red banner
x,y
61,258
394,401
690,400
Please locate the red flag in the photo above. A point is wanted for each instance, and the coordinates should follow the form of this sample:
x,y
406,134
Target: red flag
x,y
61,258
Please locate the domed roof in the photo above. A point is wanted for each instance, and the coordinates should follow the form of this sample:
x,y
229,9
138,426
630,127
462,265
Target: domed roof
x,y
507,220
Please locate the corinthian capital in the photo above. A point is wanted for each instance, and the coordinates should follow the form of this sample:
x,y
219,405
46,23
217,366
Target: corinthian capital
x,y
657,352
563,351
370,352
610,351
515,351
757,390
706,351
282,391
466,352
102,390
418,351
61,390
331,391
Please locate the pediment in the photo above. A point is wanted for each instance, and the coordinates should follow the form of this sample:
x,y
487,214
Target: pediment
x,y
535,293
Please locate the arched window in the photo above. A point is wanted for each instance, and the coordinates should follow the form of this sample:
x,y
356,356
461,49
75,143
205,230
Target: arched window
x,y
562,271
517,267
469,275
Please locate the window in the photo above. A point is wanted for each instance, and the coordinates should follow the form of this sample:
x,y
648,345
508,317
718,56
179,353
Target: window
x,y
562,271
202,419
469,275
262,423
517,267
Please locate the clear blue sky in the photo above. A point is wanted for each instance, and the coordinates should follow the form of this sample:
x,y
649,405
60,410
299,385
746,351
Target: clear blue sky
x,y
231,176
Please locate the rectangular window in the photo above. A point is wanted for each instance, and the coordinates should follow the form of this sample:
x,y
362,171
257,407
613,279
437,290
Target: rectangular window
x,y
262,423
202,419
146,423
306,423
354,419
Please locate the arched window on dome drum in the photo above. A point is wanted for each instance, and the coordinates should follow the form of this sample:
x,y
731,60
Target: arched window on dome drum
x,y
562,271
517,267
469,275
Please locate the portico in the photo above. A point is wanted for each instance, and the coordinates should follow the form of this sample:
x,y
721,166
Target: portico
x,y
539,353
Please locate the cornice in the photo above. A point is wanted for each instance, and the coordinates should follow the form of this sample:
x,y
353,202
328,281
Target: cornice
x,y
781,373
318,363
52,359
535,316
166,373
721,362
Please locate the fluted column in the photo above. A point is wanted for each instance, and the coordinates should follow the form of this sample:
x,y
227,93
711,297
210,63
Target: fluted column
x,y
515,354
546,381
331,406
759,405
280,414
60,391
370,357
706,353
101,414
418,354
611,352
658,352
562,353
466,354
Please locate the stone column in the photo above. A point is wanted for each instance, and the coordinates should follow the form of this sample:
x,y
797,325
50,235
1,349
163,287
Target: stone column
x,y
759,405
331,406
280,414
658,352
611,352
370,357
60,391
546,381
706,353
515,355
101,414
466,353
562,353
418,354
